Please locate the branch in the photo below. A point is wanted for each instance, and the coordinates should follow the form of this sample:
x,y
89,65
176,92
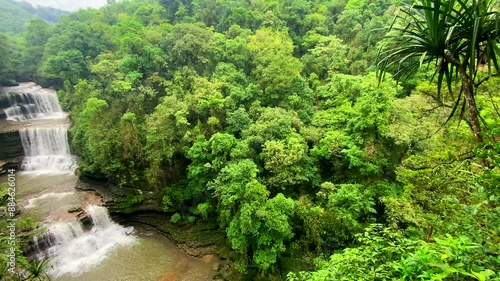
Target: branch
x,y
461,157
451,59
436,107
481,82
439,102
493,103
466,60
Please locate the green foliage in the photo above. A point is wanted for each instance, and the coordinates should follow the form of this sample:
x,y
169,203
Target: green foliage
x,y
175,218
457,36
448,259
38,270
204,209
327,57
131,200
379,248
8,53
288,163
275,65
25,228
350,205
385,254
36,36
68,65
265,119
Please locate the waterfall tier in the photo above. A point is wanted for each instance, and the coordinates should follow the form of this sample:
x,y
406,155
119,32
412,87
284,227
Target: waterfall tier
x,y
73,250
37,104
47,150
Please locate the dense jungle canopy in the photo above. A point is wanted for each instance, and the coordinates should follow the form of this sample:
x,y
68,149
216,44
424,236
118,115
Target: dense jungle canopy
x,y
291,126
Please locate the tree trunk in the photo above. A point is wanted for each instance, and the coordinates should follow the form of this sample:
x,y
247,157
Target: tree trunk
x,y
471,104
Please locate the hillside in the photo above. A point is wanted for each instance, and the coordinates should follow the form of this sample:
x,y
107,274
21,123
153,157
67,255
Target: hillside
x,y
324,140
15,15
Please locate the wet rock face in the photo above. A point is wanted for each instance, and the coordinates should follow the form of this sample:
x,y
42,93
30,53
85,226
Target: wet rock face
x,y
11,146
39,245
4,102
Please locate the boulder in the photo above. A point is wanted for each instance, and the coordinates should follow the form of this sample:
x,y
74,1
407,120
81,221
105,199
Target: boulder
x,y
75,209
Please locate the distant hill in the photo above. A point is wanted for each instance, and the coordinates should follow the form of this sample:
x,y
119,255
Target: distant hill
x,y
14,15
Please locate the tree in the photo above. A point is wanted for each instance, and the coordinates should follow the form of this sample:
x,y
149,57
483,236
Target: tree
x,y
233,48
327,57
256,226
37,34
6,59
276,66
189,44
272,124
166,130
287,162
65,66
456,35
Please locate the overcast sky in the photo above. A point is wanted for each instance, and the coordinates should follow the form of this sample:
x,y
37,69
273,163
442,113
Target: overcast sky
x,y
68,5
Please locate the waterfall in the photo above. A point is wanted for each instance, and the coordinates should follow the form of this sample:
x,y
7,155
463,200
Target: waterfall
x,y
99,216
46,150
37,104
74,251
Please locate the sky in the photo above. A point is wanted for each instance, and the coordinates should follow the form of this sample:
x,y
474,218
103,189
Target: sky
x,y
68,5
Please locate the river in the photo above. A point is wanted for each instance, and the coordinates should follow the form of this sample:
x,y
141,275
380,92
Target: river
x,y
46,191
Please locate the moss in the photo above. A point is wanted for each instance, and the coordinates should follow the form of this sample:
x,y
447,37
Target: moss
x,y
129,202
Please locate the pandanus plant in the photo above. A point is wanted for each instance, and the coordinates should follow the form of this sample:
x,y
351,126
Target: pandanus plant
x,y
458,36
37,270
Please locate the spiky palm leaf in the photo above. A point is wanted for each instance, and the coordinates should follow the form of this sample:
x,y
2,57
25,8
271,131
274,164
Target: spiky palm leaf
x,y
38,270
456,35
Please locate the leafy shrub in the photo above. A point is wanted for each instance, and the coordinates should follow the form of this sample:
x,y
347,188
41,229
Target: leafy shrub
x,y
379,249
131,201
204,210
450,258
175,218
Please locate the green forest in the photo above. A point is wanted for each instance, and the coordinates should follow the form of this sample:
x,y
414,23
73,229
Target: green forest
x,y
327,139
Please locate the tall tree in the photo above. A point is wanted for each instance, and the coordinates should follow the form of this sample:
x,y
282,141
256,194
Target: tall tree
x,y
38,33
8,60
457,35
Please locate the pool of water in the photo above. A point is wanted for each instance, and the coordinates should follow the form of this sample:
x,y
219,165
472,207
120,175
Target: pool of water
x,y
150,257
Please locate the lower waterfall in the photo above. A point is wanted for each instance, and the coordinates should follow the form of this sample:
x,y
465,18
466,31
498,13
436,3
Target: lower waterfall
x,y
73,250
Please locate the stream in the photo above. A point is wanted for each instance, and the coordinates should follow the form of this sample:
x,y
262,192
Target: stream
x,y
46,192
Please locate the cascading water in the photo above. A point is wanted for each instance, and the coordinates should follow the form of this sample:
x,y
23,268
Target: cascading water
x,y
47,151
37,104
74,251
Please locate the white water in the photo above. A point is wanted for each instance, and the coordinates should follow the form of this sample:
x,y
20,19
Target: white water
x,y
46,150
37,103
74,251
35,202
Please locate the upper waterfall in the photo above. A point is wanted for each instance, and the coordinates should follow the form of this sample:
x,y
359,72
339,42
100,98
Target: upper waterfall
x,y
27,108
31,101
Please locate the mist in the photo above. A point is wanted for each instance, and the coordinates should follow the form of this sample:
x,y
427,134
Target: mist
x,y
68,5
